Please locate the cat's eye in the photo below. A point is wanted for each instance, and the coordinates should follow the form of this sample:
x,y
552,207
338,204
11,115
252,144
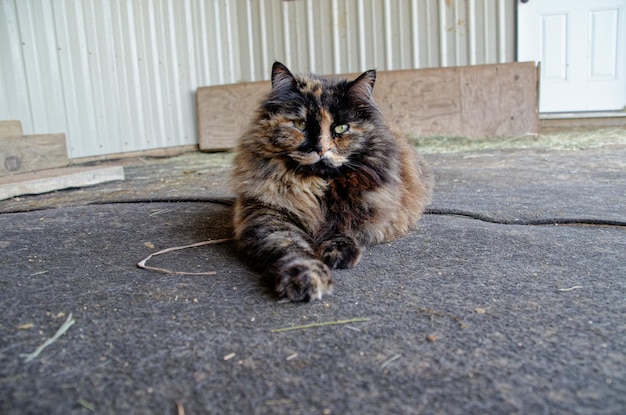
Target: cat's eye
x,y
299,124
341,128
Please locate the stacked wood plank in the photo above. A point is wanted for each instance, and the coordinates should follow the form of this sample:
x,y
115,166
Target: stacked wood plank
x,y
484,101
34,164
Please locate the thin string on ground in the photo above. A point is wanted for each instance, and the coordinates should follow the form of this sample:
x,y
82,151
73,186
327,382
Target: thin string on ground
x,y
142,263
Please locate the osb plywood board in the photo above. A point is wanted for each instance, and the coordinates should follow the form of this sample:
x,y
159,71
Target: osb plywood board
x,y
225,111
25,153
482,101
10,128
55,179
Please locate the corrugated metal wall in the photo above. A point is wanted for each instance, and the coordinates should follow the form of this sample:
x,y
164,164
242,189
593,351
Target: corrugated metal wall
x,y
120,75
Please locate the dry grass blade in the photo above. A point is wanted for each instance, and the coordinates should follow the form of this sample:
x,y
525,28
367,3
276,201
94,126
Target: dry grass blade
x,y
64,327
87,405
321,324
575,287
142,263
276,402
390,361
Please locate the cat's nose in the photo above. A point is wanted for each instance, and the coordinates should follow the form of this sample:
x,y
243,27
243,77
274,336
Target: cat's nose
x,y
322,147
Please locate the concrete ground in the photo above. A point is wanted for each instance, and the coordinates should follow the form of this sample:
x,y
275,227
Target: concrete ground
x,y
510,298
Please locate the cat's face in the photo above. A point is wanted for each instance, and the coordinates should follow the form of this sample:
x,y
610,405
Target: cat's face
x,y
317,125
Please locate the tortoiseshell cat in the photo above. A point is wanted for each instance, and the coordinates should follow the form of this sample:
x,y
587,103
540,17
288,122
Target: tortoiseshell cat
x,y
318,176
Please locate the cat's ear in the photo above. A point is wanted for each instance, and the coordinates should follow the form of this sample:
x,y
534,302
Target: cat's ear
x,y
363,86
282,78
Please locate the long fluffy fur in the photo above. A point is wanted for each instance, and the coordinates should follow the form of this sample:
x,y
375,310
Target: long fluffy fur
x,y
311,196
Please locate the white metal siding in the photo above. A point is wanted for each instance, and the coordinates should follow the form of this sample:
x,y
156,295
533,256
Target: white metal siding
x,y
120,75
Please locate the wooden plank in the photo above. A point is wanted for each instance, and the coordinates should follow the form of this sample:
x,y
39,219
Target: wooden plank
x,y
500,100
422,103
56,179
225,111
21,154
10,128
583,121
485,101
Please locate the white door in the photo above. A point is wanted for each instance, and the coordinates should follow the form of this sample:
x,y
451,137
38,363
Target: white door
x,y
581,45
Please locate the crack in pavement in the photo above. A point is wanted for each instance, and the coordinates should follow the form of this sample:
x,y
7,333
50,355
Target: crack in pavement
x,y
228,201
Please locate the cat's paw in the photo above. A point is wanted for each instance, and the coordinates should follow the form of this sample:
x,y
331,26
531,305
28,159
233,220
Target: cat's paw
x,y
340,252
303,280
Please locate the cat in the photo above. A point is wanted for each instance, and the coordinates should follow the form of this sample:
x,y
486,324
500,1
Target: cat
x,y
318,176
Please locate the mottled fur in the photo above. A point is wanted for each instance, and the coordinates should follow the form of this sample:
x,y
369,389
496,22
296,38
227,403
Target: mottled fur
x,y
318,176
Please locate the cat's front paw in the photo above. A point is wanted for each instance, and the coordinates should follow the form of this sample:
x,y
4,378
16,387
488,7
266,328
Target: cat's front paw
x,y
340,252
303,280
